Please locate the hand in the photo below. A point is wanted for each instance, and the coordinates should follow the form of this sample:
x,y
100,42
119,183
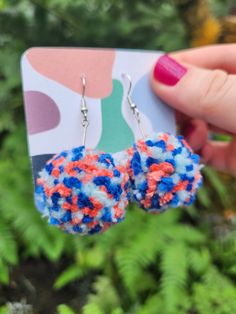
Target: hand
x,y
200,84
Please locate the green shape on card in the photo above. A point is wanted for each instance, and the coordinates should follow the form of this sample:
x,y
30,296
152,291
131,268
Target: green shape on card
x,y
116,134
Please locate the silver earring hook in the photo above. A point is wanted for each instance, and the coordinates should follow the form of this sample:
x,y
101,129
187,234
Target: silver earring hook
x,y
132,105
125,75
84,108
83,79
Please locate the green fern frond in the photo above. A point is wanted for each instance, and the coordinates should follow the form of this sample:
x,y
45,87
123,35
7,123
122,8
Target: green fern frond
x,y
184,233
135,220
199,260
8,251
8,248
19,211
92,258
65,309
72,273
215,294
217,184
105,299
136,255
174,268
204,197
92,308
116,311
32,229
152,305
4,272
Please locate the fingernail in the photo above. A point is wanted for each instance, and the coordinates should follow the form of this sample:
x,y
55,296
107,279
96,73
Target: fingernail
x,y
167,71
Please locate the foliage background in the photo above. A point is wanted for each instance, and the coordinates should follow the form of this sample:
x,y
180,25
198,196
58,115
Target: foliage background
x,y
182,262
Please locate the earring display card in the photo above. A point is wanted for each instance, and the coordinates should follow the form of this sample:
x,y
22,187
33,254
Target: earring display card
x,y
52,94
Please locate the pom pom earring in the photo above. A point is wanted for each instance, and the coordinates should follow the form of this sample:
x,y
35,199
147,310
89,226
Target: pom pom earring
x,y
164,172
82,190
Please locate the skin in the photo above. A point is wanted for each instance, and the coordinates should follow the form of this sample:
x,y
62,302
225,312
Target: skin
x,y
205,97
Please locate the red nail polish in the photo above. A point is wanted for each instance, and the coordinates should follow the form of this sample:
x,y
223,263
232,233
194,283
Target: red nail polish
x,y
168,71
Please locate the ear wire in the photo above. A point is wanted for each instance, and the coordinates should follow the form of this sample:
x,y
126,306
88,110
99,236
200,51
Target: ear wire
x,y
132,105
84,109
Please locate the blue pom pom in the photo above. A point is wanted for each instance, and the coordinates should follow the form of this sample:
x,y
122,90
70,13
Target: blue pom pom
x,y
66,217
150,161
166,184
84,201
54,221
106,159
83,191
49,168
136,163
116,173
163,178
72,182
195,158
160,144
55,197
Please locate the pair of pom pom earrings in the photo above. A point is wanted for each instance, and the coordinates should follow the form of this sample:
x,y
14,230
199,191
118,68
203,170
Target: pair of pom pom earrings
x,y
86,191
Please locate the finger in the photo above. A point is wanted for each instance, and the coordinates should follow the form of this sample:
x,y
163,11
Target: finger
x,y
217,130
204,94
183,120
196,133
220,155
224,57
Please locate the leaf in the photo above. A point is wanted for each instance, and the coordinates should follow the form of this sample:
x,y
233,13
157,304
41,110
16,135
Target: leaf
x,y
141,252
94,257
4,273
8,251
204,197
2,6
153,305
65,309
184,233
72,273
199,260
232,270
174,267
105,297
54,248
92,308
17,208
217,184
4,310
115,311
214,294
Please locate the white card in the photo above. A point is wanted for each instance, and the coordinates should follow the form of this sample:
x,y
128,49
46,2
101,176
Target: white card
x,y
52,95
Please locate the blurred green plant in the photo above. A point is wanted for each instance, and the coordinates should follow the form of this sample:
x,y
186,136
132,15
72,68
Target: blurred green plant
x,y
64,309
180,262
3,310
144,264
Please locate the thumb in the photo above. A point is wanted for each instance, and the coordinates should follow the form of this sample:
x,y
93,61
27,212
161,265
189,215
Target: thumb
x,y
200,93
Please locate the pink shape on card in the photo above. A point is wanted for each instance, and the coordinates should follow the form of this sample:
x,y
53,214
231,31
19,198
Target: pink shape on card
x,y
42,113
66,65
